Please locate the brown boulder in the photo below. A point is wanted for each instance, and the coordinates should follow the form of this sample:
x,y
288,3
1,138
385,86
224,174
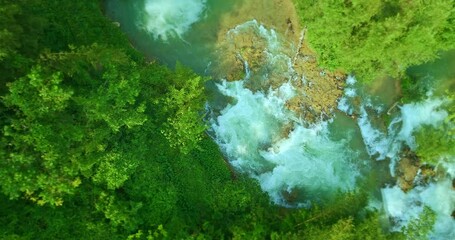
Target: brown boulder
x,y
407,170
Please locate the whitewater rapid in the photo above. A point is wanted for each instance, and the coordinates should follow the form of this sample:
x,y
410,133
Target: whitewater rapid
x,y
165,19
401,207
298,163
262,138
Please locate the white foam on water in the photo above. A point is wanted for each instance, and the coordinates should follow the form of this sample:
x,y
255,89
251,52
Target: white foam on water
x,y
449,165
261,137
400,131
401,207
344,106
276,52
439,196
350,80
165,19
249,124
251,131
414,115
308,160
377,142
350,92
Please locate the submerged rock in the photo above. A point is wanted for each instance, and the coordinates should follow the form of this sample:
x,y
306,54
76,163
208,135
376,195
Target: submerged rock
x,y
290,196
427,172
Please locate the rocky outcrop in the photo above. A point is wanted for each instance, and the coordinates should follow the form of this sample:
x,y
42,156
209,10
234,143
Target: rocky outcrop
x,y
411,172
318,89
407,170
246,50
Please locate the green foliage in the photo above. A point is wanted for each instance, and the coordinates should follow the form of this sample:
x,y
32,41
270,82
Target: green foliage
x,y
342,229
344,206
119,212
46,93
184,103
73,220
375,38
159,233
37,96
367,228
66,111
8,41
339,219
114,170
436,143
413,89
420,227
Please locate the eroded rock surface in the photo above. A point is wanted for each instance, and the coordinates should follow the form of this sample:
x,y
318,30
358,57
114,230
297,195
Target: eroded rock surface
x,y
318,88
407,170
249,52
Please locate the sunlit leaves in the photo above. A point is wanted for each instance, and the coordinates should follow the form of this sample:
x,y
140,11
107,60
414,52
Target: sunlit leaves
x,y
115,100
114,170
435,143
67,110
374,38
46,94
117,211
183,104
420,228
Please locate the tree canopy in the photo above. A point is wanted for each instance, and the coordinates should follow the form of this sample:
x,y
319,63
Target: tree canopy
x,y
378,37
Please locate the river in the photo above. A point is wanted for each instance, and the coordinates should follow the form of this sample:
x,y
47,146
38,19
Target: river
x,y
262,117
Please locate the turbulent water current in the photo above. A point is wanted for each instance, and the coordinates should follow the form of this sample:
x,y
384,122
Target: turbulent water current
x,y
271,143
296,161
171,18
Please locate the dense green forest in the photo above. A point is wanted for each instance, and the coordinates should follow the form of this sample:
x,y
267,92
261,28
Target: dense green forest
x,y
378,37
97,142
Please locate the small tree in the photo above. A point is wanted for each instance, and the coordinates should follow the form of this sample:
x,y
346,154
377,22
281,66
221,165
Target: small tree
x,y
183,105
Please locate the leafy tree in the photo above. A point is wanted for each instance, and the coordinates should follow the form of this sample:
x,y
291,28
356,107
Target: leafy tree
x,y
436,143
378,37
74,220
369,228
420,228
64,120
183,104
415,89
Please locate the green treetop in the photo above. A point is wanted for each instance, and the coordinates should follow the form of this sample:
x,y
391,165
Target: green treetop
x,y
378,37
